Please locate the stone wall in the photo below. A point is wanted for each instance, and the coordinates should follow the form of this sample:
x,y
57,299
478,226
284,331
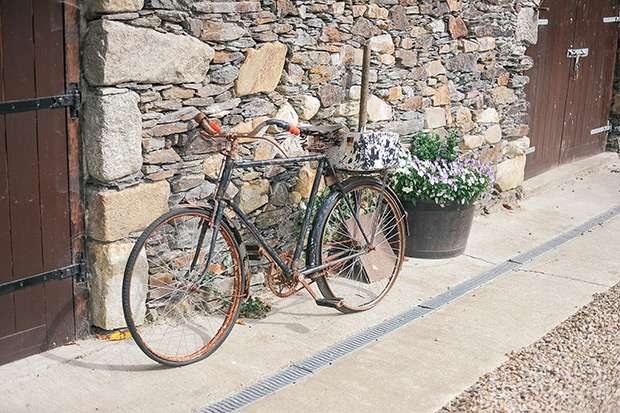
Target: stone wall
x,y
150,66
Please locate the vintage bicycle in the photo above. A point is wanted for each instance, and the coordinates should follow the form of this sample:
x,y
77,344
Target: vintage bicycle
x,y
188,273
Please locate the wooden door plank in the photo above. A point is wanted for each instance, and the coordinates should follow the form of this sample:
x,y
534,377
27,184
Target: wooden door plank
x,y
579,83
7,301
23,173
51,135
5,227
53,167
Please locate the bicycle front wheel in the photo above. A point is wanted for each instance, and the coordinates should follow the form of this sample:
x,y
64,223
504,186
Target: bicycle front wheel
x,y
178,310
363,235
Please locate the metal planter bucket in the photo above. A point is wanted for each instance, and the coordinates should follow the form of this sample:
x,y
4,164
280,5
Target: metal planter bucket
x,y
438,232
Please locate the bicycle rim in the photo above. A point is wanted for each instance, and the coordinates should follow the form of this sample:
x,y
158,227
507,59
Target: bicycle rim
x,y
177,310
362,274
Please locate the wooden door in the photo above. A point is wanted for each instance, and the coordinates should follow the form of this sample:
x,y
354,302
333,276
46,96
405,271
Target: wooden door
x,y
590,88
39,178
569,104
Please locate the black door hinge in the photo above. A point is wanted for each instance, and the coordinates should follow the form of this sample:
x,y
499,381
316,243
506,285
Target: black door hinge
x,y
71,98
77,271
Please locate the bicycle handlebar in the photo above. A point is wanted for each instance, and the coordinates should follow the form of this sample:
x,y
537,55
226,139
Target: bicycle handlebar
x,y
213,128
283,125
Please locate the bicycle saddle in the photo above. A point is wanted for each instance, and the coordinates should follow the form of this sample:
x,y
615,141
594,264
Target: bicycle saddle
x,y
327,131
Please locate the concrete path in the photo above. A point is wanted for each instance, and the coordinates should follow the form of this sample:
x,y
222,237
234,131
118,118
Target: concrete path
x,y
420,367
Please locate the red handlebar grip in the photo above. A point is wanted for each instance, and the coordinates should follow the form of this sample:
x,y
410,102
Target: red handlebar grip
x,y
215,126
208,125
293,129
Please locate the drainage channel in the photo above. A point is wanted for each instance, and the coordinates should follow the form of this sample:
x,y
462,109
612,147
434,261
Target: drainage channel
x,y
325,358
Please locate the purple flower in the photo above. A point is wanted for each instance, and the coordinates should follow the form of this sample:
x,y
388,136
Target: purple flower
x,y
462,180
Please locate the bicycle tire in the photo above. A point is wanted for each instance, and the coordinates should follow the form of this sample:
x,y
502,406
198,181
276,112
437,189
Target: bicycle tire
x,y
176,315
362,281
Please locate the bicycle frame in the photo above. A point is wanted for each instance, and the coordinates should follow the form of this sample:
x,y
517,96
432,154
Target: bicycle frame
x,y
185,278
222,200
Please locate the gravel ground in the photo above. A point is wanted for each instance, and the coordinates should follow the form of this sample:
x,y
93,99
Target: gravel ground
x,y
574,368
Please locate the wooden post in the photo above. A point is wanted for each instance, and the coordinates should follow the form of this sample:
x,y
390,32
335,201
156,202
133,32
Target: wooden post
x,y
364,95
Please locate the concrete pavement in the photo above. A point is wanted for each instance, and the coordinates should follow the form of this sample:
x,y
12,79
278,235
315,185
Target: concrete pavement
x,y
420,367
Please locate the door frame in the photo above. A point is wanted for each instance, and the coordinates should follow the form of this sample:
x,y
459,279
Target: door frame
x,y
74,152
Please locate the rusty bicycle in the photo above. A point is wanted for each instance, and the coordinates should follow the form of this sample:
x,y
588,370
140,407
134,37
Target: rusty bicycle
x,y
189,272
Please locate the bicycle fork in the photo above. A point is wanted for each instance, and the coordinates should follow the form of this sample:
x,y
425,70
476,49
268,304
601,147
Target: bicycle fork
x,y
206,225
216,221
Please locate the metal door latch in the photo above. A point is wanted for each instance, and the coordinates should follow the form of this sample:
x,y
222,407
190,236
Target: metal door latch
x,y
577,54
602,129
613,19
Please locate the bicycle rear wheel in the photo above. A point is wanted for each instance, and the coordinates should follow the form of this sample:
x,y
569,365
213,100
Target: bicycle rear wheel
x,y
177,310
364,267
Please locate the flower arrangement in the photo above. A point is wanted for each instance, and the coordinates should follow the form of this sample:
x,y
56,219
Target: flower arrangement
x,y
433,170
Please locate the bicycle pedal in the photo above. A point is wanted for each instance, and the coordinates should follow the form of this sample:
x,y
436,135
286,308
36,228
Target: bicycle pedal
x,y
254,252
330,302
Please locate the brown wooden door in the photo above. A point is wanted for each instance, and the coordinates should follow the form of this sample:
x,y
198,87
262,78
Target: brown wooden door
x,y
568,104
37,178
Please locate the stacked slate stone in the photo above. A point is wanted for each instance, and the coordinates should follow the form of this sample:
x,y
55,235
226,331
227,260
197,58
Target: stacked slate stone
x,y
437,65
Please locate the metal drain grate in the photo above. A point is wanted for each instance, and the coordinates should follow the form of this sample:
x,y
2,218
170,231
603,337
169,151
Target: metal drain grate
x,y
258,391
328,356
